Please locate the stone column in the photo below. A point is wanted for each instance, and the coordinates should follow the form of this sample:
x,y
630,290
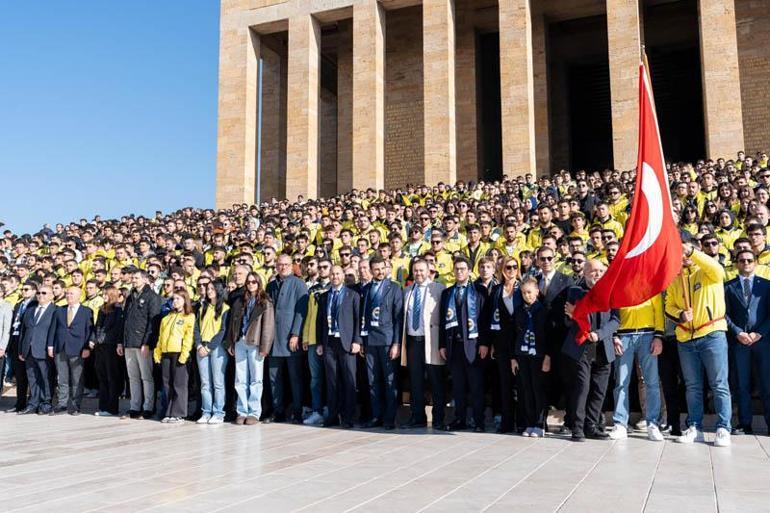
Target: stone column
x,y
344,107
272,180
624,48
438,29
465,76
368,94
237,129
302,126
517,96
723,114
540,86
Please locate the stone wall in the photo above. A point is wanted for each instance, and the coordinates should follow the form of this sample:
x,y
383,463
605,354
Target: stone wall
x,y
752,19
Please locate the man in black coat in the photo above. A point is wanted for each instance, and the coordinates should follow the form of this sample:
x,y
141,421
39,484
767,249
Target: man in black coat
x,y
463,344
382,317
591,360
339,342
28,291
37,331
140,333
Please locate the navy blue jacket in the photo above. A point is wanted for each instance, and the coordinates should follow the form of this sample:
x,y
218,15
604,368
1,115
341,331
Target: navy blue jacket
x,y
37,336
608,323
290,303
445,335
391,315
72,339
751,316
349,318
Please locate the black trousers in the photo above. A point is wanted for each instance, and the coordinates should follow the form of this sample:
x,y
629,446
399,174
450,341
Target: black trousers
x,y
38,374
532,390
340,381
592,373
109,376
20,372
465,376
381,375
174,377
415,361
505,385
279,367
194,384
90,379
672,381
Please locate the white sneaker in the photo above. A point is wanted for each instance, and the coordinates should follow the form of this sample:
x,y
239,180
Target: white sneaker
x,y
165,420
619,432
175,420
537,433
204,419
653,433
722,438
690,435
527,432
314,419
103,414
216,419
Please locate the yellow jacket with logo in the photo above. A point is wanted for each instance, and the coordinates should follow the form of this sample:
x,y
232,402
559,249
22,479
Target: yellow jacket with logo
x,y
177,332
700,286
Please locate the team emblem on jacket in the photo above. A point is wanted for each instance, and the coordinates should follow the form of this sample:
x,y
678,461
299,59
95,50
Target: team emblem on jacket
x,y
496,316
376,314
471,324
450,314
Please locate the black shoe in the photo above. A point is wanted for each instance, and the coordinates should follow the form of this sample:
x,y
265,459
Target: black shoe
x,y
564,430
742,430
75,413
456,425
375,422
415,424
478,429
577,436
27,411
597,435
296,421
58,410
330,423
278,419
13,410
502,429
347,425
389,426
146,414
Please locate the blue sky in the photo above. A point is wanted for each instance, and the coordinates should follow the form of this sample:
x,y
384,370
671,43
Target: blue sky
x,y
106,108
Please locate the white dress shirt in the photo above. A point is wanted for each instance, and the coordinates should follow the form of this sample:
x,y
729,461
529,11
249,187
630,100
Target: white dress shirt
x,y
422,290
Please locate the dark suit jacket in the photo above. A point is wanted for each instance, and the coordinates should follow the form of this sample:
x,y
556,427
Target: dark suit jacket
x,y
446,335
608,323
559,282
500,339
290,303
751,316
37,336
74,338
349,318
540,328
391,315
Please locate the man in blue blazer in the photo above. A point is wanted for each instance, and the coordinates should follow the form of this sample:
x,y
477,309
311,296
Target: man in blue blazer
x,y
339,341
591,360
381,318
463,344
73,324
289,296
747,303
37,331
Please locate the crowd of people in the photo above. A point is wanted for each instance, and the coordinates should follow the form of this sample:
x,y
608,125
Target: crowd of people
x,y
338,311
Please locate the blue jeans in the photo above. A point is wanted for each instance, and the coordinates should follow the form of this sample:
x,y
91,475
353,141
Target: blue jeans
x,y
248,379
637,345
710,353
212,372
317,380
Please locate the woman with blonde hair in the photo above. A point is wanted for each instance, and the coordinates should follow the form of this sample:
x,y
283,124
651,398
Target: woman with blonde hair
x,y
105,338
174,345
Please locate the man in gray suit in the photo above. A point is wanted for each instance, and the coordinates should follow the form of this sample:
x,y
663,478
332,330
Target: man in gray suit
x,y
289,296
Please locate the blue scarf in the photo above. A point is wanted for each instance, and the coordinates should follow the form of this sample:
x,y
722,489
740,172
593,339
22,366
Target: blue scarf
x,y
333,320
528,342
371,317
470,300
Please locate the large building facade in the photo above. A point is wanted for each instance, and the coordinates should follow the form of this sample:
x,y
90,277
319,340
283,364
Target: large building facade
x,y
318,97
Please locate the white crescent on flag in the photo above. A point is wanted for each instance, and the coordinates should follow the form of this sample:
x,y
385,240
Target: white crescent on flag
x,y
654,197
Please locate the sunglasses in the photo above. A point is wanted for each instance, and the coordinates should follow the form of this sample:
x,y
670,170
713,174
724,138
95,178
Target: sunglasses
x,y
343,255
745,260
711,243
546,258
252,282
41,293
436,242
511,267
578,262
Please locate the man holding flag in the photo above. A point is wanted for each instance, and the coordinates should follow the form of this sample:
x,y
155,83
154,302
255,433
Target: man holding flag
x,y
650,256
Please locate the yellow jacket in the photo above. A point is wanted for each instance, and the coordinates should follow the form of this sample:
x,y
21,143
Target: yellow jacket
x,y
701,287
643,317
480,253
176,336
309,334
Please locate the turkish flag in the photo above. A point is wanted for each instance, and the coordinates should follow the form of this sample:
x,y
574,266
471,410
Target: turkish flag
x,y
650,254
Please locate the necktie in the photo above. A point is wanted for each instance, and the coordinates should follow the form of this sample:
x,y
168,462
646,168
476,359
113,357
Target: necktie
x,y
746,288
335,293
546,283
38,313
70,315
417,308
